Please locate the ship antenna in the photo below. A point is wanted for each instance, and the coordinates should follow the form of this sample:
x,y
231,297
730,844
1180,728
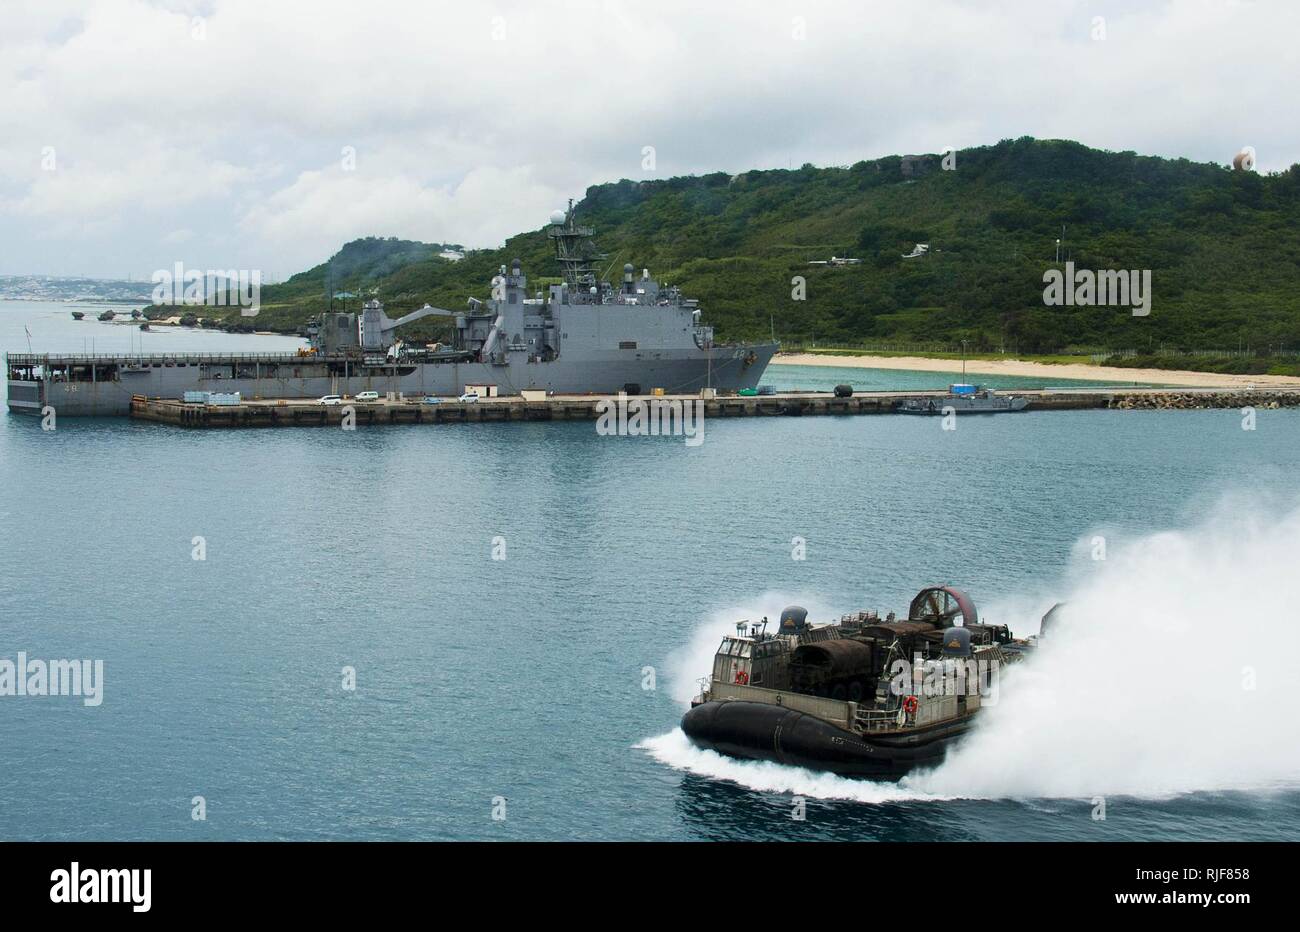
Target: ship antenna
x,y
574,251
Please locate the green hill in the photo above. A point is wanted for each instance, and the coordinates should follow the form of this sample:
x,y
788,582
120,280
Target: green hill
x,y
362,264
1223,248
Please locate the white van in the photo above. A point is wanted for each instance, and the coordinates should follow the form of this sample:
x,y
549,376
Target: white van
x,y
367,396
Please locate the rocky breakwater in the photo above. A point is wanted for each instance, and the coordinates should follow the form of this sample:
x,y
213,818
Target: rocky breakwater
x,y
1172,400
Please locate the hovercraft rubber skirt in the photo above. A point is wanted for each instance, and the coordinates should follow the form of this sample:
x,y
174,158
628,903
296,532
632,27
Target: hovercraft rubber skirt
x,y
758,731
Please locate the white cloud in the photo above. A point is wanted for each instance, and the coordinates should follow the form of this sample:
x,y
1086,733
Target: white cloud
x,y
236,135
110,185
322,208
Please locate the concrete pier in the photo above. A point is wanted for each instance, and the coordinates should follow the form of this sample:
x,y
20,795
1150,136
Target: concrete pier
x,y
310,413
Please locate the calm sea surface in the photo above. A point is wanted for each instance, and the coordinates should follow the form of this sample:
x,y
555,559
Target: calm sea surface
x,y
525,679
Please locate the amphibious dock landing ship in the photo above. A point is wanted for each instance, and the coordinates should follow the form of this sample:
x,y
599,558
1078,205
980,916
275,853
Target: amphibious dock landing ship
x,y
861,697
582,335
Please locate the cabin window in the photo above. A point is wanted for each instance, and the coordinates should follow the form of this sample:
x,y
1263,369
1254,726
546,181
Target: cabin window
x,y
627,344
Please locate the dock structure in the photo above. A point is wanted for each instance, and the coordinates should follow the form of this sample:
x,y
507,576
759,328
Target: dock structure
x,y
264,412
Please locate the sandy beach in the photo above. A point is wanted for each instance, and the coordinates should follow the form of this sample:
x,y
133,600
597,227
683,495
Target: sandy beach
x,y
1039,370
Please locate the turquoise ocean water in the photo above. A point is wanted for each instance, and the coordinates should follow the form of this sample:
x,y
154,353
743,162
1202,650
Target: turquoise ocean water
x,y
553,679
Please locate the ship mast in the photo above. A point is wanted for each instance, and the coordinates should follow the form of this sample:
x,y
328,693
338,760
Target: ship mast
x,y
575,252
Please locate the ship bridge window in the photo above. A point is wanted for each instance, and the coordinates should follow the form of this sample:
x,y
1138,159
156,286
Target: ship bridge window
x,y
731,647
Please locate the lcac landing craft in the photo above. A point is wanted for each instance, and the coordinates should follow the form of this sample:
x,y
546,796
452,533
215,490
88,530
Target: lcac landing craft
x,y
859,697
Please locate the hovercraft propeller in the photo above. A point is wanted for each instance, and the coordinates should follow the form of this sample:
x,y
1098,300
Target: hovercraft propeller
x,y
943,607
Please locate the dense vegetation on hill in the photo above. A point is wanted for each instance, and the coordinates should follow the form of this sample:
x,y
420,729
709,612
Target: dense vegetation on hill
x,y
1223,247
360,266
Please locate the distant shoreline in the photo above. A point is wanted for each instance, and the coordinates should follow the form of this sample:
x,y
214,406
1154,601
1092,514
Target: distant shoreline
x,y
1037,370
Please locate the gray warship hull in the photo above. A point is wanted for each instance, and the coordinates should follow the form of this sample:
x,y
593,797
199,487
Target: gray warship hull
x,y
89,386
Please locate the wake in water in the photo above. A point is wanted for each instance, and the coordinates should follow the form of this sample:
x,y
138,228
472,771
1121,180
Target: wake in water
x,y
1173,669
676,750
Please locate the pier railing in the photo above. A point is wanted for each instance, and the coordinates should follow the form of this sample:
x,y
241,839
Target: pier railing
x,y
868,719
99,359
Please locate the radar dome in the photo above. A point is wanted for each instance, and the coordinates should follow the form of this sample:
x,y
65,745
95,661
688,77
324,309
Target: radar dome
x,y
557,216
956,642
794,619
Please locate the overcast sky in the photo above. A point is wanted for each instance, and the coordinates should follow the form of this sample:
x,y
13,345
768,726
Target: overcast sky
x,y
135,134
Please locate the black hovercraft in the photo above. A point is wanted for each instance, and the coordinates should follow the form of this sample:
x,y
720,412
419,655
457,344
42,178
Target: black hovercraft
x,y
859,697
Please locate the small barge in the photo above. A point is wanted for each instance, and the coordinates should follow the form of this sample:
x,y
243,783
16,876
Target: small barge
x,y
861,697
965,399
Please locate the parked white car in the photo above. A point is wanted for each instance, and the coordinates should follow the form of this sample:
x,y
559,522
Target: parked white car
x,y
468,397
367,396
330,400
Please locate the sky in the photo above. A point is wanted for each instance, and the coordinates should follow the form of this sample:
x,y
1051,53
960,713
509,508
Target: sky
x,y
264,134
